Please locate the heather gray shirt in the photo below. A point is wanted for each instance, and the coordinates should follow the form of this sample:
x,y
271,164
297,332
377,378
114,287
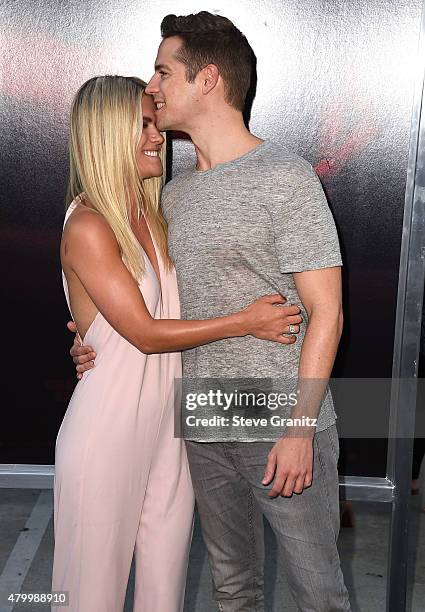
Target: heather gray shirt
x,y
239,231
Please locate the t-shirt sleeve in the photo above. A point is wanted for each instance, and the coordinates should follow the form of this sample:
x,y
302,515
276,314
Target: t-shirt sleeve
x,y
304,229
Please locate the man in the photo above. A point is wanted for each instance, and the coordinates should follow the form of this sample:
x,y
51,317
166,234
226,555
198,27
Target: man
x,y
249,220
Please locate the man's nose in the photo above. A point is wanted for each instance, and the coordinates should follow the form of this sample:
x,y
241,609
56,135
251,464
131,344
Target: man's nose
x,y
152,87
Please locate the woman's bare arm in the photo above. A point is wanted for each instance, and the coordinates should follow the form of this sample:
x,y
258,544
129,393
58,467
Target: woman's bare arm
x,y
90,250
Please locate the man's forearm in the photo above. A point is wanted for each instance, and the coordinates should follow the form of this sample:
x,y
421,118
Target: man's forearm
x,y
316,362
320,343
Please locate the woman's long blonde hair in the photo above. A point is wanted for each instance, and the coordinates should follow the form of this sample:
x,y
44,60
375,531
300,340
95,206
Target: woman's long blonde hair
x,y
106,125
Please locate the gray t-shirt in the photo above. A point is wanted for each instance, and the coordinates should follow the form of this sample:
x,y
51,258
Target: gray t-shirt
x,y
236,232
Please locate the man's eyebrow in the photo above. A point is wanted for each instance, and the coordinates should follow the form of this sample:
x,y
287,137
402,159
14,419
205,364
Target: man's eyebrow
x,y
161,67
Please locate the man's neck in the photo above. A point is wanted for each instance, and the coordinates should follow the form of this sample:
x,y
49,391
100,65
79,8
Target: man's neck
x,y
221,139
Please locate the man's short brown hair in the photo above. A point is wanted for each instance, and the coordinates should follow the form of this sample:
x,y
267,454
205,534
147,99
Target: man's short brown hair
x,y
212,39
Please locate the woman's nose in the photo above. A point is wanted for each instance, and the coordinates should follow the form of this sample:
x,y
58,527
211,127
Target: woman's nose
x,y
157,137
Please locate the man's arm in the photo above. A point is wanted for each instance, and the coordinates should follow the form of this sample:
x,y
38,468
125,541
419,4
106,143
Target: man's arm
x,y
290,461
82,356
320,292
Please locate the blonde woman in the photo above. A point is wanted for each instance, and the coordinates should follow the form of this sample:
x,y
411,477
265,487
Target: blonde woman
x,y
122,483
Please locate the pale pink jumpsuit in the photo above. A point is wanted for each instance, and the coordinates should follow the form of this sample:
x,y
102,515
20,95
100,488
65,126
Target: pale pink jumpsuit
x,y
122,482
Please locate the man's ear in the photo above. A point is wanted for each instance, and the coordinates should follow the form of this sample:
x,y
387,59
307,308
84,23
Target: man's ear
x,y
209,78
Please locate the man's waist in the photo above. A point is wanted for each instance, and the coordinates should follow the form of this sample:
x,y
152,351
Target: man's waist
x,y
230,364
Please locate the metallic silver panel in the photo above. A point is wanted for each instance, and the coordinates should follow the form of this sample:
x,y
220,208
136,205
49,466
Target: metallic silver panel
x,y
335,83
364,488
406,345
19,476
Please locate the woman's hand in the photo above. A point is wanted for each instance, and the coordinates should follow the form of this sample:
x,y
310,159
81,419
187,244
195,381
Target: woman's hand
x,y
267,318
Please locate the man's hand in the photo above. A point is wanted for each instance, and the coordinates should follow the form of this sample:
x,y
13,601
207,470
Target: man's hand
x,y
290,463
82,356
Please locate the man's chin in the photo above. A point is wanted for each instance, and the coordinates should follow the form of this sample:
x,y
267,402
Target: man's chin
x,y
163,124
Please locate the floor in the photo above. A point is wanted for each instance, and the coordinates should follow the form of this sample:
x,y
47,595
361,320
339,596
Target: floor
x,y
27,542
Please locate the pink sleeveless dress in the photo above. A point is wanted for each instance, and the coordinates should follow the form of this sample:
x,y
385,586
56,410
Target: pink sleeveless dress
x,y
122,482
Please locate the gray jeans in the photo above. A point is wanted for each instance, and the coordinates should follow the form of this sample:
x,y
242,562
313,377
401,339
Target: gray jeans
x,y
231,502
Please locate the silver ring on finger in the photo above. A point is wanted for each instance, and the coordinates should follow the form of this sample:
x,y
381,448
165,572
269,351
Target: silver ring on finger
x,y
293,329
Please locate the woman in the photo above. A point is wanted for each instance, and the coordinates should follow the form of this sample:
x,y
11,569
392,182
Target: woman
x,y
122,482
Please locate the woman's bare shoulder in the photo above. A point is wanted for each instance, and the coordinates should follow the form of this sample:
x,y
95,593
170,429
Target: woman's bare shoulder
x,y
87,229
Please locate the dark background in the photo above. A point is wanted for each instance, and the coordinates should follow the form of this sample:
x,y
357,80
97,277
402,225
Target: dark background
x,y
335,84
